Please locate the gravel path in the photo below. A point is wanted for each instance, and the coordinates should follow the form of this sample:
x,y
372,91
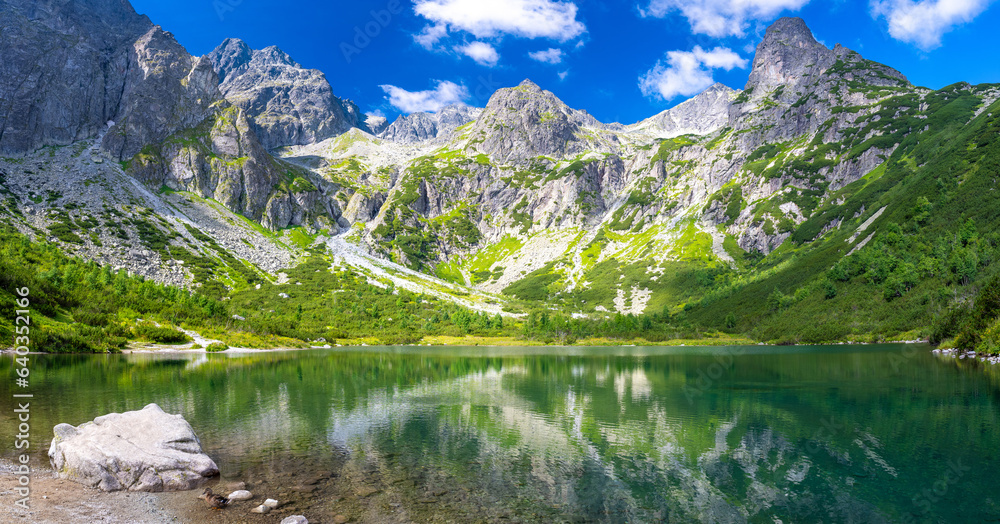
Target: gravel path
x,y
60,501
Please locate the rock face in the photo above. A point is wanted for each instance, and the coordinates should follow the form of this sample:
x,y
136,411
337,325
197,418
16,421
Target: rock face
x,y
418,127
166,90
63,69
524,122
701,115
146,450
288,104
222,159
376,124
790,56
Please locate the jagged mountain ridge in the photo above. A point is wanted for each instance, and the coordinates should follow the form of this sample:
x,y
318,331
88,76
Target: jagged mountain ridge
x,y
288,104
706,112
420,127
528,187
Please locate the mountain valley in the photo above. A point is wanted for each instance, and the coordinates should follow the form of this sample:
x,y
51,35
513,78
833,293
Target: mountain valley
x,y
828,188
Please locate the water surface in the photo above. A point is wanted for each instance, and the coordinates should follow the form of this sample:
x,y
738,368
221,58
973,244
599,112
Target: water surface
x,y
756,434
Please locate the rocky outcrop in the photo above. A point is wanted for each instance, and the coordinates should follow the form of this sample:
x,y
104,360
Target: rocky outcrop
x,y
796,82
525,122
288,104
418,127
63,69
222,159
376,124
146,450
166,90
705,113
790,56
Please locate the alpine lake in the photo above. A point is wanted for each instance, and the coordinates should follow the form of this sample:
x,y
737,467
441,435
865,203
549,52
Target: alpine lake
x,y
886,433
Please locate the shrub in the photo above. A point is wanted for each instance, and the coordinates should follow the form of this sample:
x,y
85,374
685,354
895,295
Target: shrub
x,y
160,335
216,347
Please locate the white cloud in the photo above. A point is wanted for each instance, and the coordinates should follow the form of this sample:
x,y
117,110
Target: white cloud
x,y
481,52
549,56
924,22
487,19
688,72
446,93
431,35
563,74
721,18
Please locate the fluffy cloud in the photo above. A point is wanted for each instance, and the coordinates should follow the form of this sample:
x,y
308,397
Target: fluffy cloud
x,y
481,52
924,22
688,72
446,93
721,18
549,56
551,19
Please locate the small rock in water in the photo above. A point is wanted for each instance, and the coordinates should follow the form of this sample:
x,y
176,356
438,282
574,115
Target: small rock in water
x,y
271,503
261,509
240,494
365,491
295,519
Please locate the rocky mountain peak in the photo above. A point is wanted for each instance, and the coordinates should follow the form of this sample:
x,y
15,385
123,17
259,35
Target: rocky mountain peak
x,y
529,85
791,31
789,56
786,52
288,104
272,55
524,122
706,112
417,127
232,55
166,90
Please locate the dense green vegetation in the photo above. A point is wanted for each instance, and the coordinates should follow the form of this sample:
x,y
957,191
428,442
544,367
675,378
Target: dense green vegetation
x,y
924,266
78,306
929,266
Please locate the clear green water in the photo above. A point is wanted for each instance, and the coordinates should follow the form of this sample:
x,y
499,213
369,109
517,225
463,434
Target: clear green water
x,y
760,434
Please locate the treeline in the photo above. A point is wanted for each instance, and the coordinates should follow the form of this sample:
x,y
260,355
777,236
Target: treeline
x,y
80,307
554,327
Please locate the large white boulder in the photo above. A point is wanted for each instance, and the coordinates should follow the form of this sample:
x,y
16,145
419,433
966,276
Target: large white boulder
x,y
146,450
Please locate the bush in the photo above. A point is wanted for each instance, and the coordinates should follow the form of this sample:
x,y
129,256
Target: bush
x,y
160,335
216,347
90,317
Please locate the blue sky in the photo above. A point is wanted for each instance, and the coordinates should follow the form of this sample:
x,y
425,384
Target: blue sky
x,y
620,60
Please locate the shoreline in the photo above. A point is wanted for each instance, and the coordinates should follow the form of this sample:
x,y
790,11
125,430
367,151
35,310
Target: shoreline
x,y
55,500
492,342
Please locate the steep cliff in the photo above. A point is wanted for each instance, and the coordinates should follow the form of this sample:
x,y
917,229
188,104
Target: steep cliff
x,y
64,69
288,104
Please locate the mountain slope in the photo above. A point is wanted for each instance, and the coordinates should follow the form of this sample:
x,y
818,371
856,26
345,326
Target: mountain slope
x,y
419,127
705,113
53,93
828,186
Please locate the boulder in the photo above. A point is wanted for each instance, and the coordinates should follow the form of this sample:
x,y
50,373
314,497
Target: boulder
x,y
295,519
146,450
